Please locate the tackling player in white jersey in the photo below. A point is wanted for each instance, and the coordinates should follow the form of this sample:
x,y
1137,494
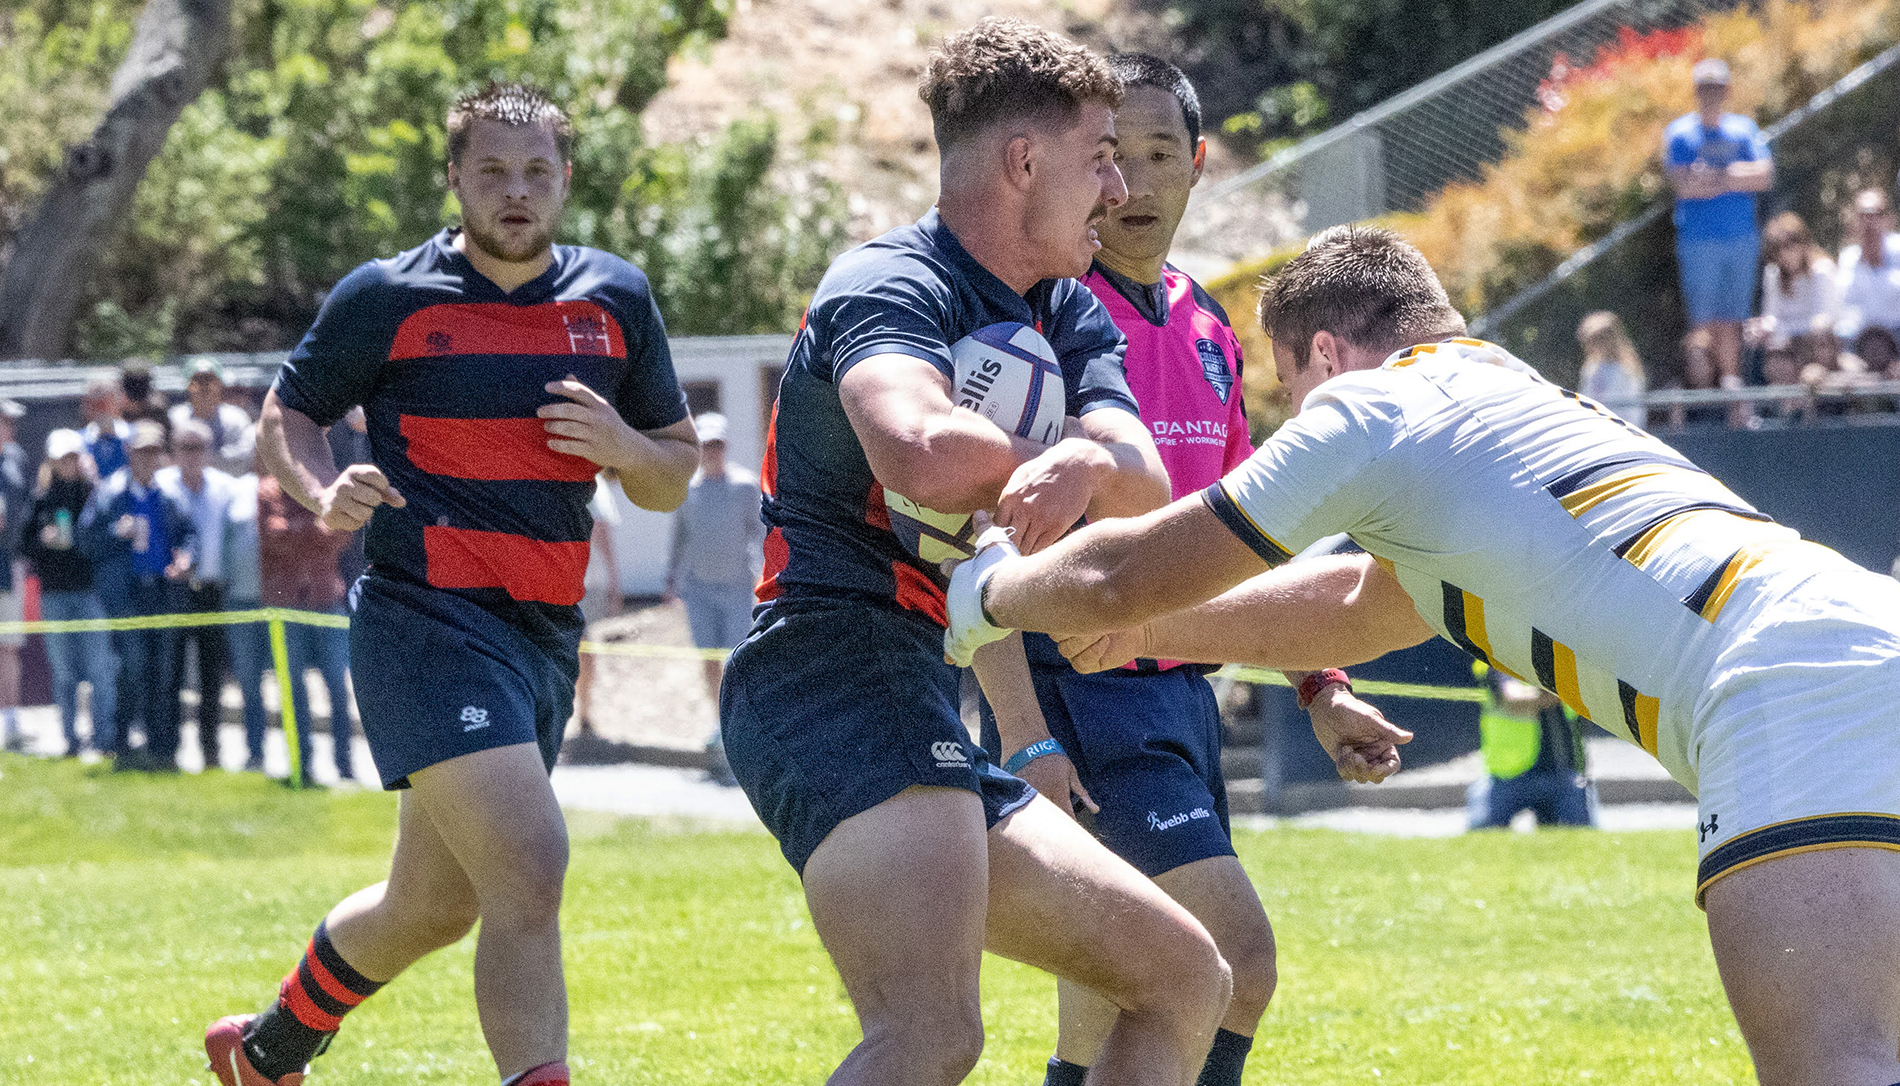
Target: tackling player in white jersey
x,y
1552,540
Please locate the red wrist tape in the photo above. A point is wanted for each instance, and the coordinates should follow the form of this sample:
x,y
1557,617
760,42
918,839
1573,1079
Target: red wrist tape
x,y
1320,680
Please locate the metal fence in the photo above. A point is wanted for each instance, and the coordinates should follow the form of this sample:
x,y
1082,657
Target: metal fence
x,y
1397,155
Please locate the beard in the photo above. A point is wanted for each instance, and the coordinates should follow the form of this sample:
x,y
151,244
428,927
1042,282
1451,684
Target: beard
x,y
495,246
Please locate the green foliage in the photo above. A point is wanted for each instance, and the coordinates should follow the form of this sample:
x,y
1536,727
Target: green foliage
x,y
323,146
140,909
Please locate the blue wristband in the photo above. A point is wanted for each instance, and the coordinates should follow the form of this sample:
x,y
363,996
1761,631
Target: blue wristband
x,y
1032,752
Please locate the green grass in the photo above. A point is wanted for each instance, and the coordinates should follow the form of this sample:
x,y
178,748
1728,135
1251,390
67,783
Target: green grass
x,y
134,910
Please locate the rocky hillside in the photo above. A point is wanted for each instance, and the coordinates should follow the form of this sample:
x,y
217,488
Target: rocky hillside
x,y
840,76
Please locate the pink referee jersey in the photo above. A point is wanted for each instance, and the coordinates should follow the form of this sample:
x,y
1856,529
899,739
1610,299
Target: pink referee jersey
x,y
1185,374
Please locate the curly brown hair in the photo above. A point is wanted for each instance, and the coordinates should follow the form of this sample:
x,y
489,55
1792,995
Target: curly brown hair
x,y
1364,284
1009,69
510,104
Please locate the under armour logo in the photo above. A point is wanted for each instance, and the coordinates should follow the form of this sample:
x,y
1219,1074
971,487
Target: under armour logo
x,y
473,718
1706,829
949,754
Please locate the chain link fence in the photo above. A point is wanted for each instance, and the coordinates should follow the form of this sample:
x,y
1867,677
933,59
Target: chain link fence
x,y
1397,155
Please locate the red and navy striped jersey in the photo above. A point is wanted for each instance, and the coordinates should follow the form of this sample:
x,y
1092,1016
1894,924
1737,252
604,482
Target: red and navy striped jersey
x,y
449,370
914,291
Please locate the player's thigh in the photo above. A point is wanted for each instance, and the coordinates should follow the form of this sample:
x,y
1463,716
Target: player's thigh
x,y
1221,896
1060,901
495,811
897,895
1808,945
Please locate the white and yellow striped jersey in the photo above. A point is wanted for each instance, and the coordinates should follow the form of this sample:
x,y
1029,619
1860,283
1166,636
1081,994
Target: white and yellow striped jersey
x,y
1532,527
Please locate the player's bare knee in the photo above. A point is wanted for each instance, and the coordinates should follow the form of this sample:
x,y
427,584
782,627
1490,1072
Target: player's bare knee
x,y
933,1046
530,885
1180,974
1256,974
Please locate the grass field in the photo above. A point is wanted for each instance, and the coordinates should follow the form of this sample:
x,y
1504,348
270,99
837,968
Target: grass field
x,y
134,910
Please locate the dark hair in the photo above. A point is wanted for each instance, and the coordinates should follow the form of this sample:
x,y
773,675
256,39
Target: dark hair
x,y
1148,70
1364,284
1008,69
510,104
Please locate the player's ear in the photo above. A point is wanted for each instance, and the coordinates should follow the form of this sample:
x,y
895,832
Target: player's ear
x,y
1200,160
1019,160
1325,352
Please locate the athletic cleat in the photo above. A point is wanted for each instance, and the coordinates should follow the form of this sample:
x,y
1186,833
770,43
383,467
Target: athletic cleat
x,y
548,1074
224,1044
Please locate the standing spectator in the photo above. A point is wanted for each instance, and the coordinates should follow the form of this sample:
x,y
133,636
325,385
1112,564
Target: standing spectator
x,y
139,534
1718,162
1533,758
249,642
142,399
299,563
232,436
1870,282
103,407
49,539
15,497
1612,373
208,495
1800,305
718,542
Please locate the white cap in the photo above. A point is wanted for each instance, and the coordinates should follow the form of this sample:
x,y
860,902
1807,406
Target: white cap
x,y
710,426
1712,71
64,443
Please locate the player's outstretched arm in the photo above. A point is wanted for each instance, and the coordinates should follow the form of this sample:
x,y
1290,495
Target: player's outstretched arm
x,y
1305,616
295,451
1119,573
655,466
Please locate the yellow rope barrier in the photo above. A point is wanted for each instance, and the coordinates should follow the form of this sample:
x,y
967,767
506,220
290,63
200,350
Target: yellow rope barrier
x,y
279,617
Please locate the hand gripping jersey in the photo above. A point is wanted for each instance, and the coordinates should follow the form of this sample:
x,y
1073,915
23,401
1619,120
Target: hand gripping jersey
x,y
914,291
1185,374
1533,528
450,371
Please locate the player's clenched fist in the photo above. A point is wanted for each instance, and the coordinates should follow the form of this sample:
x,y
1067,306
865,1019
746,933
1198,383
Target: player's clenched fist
x,y
1089,653
347,504
587,427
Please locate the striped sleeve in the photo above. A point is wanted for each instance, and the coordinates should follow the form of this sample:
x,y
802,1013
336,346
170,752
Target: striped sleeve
x,y
1323,473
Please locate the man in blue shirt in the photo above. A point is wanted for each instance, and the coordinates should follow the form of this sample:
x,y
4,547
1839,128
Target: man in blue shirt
x,y
1717,162
139,534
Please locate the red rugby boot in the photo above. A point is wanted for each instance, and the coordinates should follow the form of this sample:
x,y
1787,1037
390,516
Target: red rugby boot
x,y
224,1044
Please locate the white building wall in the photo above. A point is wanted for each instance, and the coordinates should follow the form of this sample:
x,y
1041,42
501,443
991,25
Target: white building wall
x,y
740,366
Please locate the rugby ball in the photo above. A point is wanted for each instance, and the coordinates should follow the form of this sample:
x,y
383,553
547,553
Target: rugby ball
x,y
1008,374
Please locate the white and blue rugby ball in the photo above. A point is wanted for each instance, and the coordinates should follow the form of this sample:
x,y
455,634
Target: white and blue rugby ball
x,y
1008,374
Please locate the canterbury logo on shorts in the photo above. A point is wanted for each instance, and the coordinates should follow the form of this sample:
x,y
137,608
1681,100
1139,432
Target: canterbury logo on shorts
x,y
949,754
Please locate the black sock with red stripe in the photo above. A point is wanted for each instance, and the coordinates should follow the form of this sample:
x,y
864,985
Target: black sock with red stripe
x,y
311,1003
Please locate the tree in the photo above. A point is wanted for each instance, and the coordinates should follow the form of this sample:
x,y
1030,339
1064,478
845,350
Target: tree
x,y
175,51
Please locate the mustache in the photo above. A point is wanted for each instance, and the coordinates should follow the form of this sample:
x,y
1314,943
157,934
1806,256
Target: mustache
x,y
1100,213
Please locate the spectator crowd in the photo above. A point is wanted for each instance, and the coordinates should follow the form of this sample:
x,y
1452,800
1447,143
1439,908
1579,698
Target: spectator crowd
x,y
152,508
1831,324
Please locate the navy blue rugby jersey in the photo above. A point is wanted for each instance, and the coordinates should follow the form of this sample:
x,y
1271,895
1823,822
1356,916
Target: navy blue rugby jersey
x,y
914,291
449,370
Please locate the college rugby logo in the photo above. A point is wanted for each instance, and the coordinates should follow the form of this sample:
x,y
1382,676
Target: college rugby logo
x,y
949,754
1214,367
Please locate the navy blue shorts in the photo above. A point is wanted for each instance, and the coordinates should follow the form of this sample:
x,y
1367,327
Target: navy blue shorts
x,y
829,711
438,676
1147,747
